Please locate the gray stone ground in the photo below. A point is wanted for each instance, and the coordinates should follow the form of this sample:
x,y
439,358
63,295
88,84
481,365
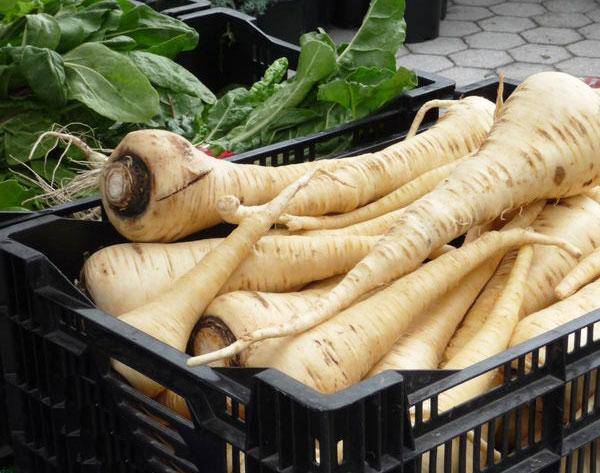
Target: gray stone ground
x,y
482,37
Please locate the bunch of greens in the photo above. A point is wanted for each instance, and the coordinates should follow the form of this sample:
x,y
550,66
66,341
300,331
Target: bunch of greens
x,y
332,85
104,65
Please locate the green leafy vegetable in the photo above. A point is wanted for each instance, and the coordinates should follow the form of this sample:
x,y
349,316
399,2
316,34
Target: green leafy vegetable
x,y
378,39
333,85
110,84
13,194
236,105
367,89
317,61
41,30
37,63
77,24
96,65
156,33
169,75
20,132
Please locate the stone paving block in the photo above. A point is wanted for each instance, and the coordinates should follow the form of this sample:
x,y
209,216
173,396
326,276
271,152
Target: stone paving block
x,y
557,36
483,58
506,24
438,46
425,62
586,48
594,15
465,75
562,20
539,53
522,70
478,3
571,6
453,28
493,40
524,10
591,31
580,66
465,13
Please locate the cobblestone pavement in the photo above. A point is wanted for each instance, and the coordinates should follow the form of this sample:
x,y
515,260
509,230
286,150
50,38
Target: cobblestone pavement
x,y
479,38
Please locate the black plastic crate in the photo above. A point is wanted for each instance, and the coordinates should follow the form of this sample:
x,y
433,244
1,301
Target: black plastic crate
x,y
73,413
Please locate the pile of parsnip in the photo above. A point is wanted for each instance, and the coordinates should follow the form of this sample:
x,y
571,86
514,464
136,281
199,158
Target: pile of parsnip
x,y
338,270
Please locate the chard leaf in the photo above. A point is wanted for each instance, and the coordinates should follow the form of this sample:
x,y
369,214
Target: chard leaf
x,y
294,117
265,87
108,83
179,113
230,111
316,62
328,115
169,75
366,89
378,39
157,33
41,30
45,74
236,105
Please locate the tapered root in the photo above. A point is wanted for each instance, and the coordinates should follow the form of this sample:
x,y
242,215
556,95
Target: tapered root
x,y
393,201
91,156
585,272
322,313
500,96
423,111
232,211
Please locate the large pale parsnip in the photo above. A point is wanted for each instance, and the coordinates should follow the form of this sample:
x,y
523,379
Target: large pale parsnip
x,y
577,220
582,302
158,187
123,277
494,336
586,271
171,316
395,200
341,351
423,344
375,226
537,149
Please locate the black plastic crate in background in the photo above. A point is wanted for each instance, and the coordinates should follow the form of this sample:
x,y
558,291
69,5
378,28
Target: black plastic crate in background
x,y
58,353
